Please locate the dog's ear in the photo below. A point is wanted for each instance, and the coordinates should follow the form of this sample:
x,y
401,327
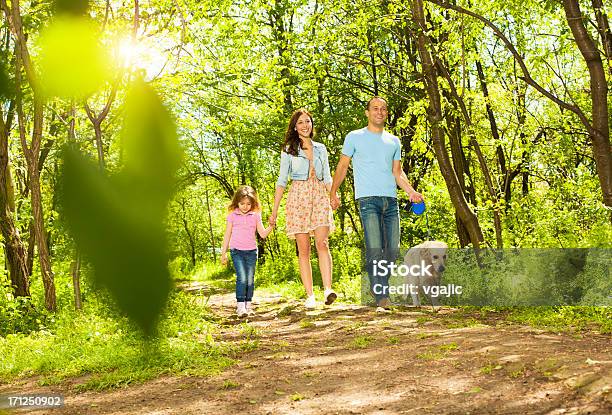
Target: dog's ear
x,y
426,255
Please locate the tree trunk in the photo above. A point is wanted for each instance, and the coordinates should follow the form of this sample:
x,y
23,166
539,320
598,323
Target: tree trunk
x,y
600,129
99,147
210,225
33,152
454,130
14,249
39,230
434,113
604,31
75,270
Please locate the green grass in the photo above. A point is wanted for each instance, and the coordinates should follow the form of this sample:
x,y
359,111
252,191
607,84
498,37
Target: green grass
x,y
392,340
564,318
230,384
440,352
307,324
110,353
362,342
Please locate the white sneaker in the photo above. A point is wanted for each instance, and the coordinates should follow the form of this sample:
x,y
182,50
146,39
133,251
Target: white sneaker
x,y
330,296
249,308
310,302
241,310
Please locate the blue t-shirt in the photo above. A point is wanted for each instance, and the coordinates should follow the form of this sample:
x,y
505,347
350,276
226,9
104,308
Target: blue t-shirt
x,y
373,155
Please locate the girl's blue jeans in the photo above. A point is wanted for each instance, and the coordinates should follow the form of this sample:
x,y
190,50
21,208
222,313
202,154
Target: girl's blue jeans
x,y
244,264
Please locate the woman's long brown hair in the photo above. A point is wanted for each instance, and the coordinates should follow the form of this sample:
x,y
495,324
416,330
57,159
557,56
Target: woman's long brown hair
x,y
292,138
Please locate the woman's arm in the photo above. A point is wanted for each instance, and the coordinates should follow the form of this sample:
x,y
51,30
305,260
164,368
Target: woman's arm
x,y
278,196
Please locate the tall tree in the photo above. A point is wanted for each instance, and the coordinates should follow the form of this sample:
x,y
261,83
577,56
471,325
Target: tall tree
x,y
32,150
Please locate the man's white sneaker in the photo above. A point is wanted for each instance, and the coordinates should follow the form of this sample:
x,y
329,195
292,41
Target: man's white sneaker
x,y
330,296
249,308
310,302
241,310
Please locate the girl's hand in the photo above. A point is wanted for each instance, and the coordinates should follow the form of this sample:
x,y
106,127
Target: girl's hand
x,y
224,258
272,219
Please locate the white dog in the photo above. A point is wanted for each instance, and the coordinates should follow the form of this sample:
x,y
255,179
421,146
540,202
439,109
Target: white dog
x,y
429,258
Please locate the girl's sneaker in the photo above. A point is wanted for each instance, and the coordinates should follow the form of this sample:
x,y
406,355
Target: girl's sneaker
x,y
249,308
310,302
241,310
330,296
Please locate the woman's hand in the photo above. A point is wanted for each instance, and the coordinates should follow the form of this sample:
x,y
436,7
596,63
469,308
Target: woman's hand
x,y
224,258
334,201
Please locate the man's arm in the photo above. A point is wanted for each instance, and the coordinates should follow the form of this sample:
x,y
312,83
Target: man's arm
x,y
402,181
339,176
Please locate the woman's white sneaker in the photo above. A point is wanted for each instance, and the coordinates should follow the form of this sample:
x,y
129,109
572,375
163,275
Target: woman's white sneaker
x,y
330,296
310,302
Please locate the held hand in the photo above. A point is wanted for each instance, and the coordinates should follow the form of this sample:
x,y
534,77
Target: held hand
x,y
272,219
415,197
224,258
334,201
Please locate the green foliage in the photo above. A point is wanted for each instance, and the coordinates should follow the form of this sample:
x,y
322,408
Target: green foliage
x,y
21,316
531,277
111,351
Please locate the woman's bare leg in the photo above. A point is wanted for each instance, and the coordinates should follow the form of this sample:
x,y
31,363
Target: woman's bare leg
x,y
303,243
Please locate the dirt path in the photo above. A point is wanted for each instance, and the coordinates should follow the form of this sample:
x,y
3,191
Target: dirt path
x,y
353,360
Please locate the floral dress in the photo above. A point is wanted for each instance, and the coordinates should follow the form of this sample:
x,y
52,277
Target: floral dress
x,y
308,206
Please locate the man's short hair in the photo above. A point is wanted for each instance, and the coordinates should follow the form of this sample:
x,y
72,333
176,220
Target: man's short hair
x,y
373,98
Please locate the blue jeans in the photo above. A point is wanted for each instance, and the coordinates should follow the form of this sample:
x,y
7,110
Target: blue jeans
x,y
381,231
244,264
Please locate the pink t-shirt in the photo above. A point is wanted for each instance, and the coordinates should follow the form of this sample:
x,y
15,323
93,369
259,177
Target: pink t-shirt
x,y
244,228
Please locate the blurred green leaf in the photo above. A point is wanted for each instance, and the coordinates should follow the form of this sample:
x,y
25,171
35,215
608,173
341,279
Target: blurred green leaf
x,y
75,7
118,221
150,145
73,63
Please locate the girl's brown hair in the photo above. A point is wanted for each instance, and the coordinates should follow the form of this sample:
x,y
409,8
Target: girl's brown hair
x,y
292,138
241,193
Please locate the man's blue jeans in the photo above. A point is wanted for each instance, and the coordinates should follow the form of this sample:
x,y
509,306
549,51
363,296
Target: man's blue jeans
x,y
381,230
244,264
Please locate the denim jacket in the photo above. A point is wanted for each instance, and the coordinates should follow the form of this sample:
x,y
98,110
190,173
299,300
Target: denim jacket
x,y
298,167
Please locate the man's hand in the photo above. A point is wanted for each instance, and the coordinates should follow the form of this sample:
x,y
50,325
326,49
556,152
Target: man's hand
x,y
334,201
415,197
224,258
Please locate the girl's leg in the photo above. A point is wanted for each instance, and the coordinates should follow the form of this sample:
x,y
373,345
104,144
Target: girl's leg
x,y
251,264
241,274
303,243
325,259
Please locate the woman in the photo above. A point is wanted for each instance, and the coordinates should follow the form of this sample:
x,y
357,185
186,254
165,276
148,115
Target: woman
x,y
308,211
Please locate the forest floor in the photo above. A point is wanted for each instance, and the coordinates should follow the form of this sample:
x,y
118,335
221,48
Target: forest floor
x,y
348,359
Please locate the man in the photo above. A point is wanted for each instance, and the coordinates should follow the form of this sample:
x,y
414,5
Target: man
x,y
377,172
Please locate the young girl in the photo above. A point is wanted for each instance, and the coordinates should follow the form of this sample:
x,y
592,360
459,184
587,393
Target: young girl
x,y
243,221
